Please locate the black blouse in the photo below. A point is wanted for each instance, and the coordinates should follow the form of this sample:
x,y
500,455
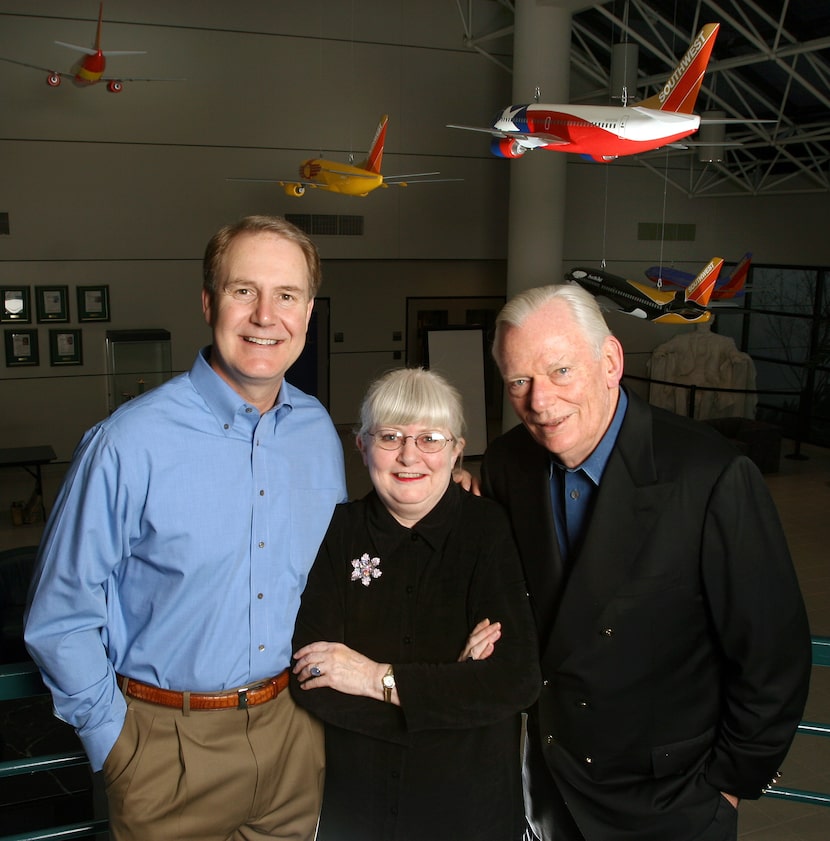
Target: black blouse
x,y
445,765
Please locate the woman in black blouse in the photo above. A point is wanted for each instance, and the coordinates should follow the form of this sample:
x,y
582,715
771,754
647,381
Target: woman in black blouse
x,y
422,743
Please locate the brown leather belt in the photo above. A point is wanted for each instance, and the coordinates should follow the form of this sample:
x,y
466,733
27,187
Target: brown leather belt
x,y
240,699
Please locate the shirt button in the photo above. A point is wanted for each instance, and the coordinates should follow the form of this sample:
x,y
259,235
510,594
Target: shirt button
x,y
583,705
574,494
262,648
262,493
248,410
259,595
227,426
261,544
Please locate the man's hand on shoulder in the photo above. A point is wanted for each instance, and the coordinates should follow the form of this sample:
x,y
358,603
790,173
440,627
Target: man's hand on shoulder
x,y
467,481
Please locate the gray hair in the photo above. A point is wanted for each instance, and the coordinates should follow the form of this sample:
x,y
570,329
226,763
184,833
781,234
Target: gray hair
x,y
412,395
582,305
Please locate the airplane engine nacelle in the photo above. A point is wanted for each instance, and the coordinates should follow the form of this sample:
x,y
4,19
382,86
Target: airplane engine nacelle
x,y
505,147
294,190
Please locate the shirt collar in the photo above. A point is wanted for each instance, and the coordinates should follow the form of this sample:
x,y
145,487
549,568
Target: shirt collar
x,y
594,466
433,528
225,403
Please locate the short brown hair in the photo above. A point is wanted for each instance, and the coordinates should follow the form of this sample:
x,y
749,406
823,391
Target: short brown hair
x,y
277,225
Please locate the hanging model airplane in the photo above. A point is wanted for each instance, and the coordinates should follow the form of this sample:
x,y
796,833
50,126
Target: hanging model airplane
x,y
727,286
90,69
346,178
681,306
605,132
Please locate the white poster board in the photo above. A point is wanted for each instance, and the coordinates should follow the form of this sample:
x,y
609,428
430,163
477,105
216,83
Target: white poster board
x,y
457,353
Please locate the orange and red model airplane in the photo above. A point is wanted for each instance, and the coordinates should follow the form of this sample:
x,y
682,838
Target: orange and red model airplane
x,y
90,69
346,178
605,132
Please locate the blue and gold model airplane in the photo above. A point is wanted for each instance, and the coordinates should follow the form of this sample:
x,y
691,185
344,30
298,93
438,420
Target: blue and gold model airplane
x,y
728,286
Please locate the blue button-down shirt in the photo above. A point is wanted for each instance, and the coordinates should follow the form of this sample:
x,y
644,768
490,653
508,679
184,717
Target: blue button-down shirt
x,y
179,545
572,489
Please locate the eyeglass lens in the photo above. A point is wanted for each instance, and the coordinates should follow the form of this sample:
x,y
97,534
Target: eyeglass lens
x,y
426,442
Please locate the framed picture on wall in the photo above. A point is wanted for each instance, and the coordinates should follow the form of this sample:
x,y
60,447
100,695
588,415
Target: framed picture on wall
x,y
15,305
52,303
93,303
21,347
65,347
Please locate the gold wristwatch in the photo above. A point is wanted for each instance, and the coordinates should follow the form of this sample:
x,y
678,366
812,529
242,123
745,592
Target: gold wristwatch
x,y
388,682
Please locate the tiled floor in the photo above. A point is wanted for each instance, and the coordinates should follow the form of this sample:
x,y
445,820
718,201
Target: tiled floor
x,y
802,493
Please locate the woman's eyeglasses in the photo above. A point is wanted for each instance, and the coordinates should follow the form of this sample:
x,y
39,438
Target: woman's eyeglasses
x,y
426,442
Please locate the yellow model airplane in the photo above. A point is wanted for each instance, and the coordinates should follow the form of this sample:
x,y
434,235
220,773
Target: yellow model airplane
x,y
346,178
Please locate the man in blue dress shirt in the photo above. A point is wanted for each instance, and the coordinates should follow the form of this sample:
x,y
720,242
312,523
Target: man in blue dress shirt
x,y
171,569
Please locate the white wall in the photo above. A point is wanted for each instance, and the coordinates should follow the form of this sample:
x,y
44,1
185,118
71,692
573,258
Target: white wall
x,y
126,189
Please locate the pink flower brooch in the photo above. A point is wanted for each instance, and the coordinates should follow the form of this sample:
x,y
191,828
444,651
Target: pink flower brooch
x,y
365,569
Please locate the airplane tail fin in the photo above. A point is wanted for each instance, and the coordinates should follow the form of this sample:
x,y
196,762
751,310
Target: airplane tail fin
x,y
699,291
680,91
100,24
737,280
375,156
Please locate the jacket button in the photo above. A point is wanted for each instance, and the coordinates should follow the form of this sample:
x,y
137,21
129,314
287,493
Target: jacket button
x,y
582,704
550,740
608,632
588,760
545,682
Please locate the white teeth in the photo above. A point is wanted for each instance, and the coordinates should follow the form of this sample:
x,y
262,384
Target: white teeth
x,y
257,341
409,475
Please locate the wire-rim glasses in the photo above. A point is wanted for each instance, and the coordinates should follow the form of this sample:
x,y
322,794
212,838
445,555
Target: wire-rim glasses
x,y
426,442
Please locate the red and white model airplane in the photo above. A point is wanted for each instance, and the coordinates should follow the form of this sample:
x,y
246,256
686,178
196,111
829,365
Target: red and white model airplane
x,y
605,132
90,69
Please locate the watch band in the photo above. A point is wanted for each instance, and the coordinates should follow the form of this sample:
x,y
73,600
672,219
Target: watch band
x,y
388,683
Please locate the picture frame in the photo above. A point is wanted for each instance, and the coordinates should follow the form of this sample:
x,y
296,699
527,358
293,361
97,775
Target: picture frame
x,y
93,303
15,307
21,347
65,347
52,303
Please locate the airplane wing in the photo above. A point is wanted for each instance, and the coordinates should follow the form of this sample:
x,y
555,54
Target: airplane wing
x,y
136,79
533,138
37,67
102,79
282,182
396,179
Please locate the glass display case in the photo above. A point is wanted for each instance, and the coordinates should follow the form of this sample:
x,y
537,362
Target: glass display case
x,y
137,360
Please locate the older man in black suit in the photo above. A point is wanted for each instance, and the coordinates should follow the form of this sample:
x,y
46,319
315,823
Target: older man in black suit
x,y
674,641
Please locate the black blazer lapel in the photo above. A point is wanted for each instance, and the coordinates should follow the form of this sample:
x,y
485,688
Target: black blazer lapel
x,y
629,500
